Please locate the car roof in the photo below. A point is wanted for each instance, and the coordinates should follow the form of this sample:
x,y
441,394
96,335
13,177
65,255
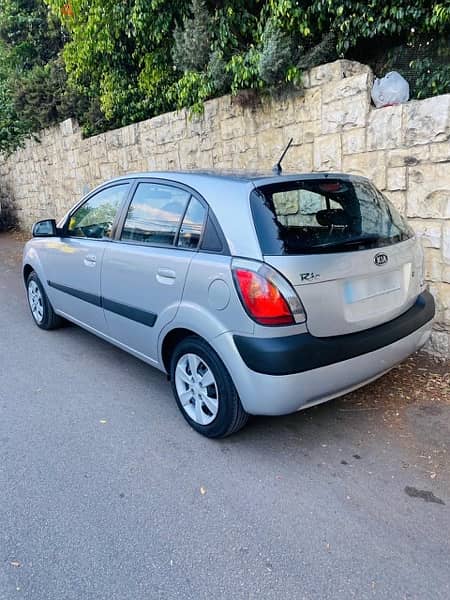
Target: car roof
x,y
244,176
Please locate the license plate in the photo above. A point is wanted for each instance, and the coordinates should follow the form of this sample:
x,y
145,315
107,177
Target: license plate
x,y
369,287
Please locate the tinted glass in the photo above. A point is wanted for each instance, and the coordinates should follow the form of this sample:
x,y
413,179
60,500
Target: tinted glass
x,y
325,215
155,213
95,218
192,226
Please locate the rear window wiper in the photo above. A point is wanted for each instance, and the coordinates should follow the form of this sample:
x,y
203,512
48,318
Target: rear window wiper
x,y
352,242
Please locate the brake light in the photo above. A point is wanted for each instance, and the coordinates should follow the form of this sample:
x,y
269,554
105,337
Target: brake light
x,y
266,295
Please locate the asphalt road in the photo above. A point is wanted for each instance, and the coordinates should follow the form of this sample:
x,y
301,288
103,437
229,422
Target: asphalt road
x,y
106,493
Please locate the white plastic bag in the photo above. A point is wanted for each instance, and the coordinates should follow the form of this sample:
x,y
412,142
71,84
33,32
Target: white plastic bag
x,y
390,89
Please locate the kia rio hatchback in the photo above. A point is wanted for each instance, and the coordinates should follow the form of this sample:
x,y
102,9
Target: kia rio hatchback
x,y
257,295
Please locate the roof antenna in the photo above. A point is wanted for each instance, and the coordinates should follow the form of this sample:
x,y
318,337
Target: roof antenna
x,y
277,168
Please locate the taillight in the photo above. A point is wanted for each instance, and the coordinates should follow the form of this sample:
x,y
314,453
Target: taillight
x,y
267,297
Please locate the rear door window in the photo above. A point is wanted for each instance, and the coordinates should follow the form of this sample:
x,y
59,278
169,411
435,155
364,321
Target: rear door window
x,y
192,225
155,214
324,215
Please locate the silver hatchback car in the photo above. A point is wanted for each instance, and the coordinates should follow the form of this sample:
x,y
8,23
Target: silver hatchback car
x,y
258,295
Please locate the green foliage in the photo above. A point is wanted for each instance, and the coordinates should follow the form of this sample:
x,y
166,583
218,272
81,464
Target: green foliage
x,y
432,69
244,70
41,96
13,130
29,34
432,81
217,73
120,54
424,62
192,42
276,54
33,81
112,63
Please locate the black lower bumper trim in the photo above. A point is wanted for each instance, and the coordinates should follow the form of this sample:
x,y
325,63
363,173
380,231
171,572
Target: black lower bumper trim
x,y
304,352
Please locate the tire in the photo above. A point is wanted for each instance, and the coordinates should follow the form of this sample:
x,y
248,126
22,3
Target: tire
x,y
212,408
41,310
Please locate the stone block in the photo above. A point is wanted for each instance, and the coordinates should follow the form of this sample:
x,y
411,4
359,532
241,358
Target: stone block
x,y
299,159
440,152
160,121
345,114
334,71
239,146
326,73
441,292
130,134
307,108
345,88
427,120
429,232
232,128
245,160
327,153
439,343
398,199
446,273
282,113
446,242
384,128
428,191
108,170
407,157
176,130
167,161
205,160
260,118
303,133
396,178
150,163
354,141
433,265
367,164
68,127
270,144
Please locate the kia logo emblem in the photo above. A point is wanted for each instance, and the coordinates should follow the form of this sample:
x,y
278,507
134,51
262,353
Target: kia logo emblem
x,y
380,259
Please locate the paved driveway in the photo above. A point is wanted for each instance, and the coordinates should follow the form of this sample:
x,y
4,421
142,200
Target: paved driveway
x,y
105,493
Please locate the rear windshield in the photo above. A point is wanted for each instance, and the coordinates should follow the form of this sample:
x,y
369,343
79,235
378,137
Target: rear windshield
x,y
325,215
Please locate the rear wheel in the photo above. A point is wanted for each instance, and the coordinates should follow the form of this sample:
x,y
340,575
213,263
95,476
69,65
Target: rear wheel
x,y
204,391
41,310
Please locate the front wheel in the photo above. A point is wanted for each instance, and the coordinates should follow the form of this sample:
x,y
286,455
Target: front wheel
x,y
42,311
204,391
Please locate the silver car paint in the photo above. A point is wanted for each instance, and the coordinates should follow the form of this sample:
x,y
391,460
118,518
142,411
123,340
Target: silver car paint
x,y
202,297
151,279
74,262
328,310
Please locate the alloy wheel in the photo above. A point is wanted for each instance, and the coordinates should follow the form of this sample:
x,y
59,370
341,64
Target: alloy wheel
x,y
197,389
36,301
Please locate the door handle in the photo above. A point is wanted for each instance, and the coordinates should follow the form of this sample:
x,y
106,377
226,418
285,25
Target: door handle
x,y
90,260
166,276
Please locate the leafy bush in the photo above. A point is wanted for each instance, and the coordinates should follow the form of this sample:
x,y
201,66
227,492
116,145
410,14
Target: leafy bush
x,y
112,63
33,90
192,42
276,54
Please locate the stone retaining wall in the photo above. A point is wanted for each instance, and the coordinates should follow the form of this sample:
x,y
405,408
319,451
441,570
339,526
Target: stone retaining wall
x,y
404,149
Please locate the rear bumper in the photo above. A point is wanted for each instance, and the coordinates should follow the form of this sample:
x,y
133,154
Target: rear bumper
x,y
304,352
269,394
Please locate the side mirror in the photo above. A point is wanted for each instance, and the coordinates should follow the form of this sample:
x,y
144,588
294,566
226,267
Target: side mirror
x,y
46,228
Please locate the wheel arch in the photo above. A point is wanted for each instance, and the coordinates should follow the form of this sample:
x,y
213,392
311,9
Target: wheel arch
x,y
170,341
27,269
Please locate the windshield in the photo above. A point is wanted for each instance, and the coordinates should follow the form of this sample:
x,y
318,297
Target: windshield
x,y
325,215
